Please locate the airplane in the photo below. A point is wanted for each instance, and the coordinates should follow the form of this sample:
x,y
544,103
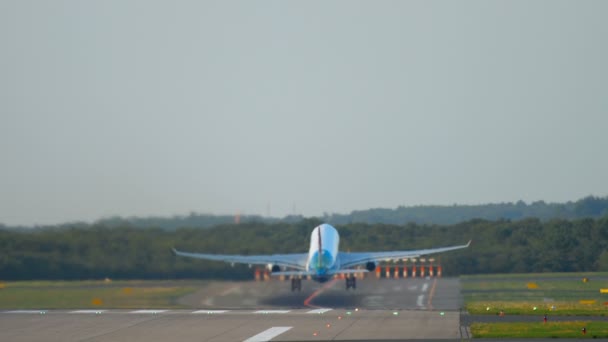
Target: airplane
x,y
322,261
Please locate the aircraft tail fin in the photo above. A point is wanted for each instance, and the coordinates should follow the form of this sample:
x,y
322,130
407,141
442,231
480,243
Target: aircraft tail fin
x,y
320,259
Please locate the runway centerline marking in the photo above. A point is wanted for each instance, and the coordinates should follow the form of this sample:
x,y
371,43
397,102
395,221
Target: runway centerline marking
x,y
420,300
318,292
425,286
268,334
87,311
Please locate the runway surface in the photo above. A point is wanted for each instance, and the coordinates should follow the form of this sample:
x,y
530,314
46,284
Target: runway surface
x,y
385,309
371,293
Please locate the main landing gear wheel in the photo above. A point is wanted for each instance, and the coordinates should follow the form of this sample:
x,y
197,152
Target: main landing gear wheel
x,y
351,282
296,284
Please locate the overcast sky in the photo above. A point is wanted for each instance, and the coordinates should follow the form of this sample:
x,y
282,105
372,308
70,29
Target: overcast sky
x,y
161,108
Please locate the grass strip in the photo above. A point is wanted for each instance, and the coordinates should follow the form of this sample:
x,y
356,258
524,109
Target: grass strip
x,y
564,294
528,308
91,297
573,329
476,277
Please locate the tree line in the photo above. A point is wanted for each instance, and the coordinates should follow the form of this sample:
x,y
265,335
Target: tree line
x,y
590,206
125,252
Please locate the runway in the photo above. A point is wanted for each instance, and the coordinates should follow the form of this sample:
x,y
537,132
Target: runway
x,y
371,293
385,309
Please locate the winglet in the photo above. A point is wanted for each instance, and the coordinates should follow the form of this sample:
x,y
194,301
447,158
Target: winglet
x,y
174,251
469,243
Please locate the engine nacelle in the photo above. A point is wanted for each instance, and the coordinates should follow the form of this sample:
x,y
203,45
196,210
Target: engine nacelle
x,y
370,266
274,268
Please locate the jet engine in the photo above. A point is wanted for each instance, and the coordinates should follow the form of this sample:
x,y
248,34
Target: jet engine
x,y
370,266
274,268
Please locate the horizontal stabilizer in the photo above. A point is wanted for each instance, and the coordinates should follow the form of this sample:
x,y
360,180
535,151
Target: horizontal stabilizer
x,y
308,273
293,273
349,271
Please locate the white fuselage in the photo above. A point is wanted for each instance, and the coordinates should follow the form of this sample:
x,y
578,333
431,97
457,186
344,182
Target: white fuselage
x,y
323,252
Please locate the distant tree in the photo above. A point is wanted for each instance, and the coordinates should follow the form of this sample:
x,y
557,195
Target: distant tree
x,y
591,207
602,261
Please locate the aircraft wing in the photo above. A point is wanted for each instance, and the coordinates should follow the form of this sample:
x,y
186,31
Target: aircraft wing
x,y
297,261
352,259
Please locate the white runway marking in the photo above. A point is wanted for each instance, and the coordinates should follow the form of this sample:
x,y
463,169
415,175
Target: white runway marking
x,y
87,311
413,288
425,287
148,311
268,334
419,301
318,311
27,311
210,312
271,311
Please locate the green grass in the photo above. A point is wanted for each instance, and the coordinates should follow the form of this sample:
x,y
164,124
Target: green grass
x,y
527,308
91,294
540,330
554,293
533,275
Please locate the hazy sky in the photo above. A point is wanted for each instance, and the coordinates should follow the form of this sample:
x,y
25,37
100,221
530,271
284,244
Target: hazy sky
x,y
161,108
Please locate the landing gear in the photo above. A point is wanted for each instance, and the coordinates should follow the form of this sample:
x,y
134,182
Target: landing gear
x,y
296,284
351,282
